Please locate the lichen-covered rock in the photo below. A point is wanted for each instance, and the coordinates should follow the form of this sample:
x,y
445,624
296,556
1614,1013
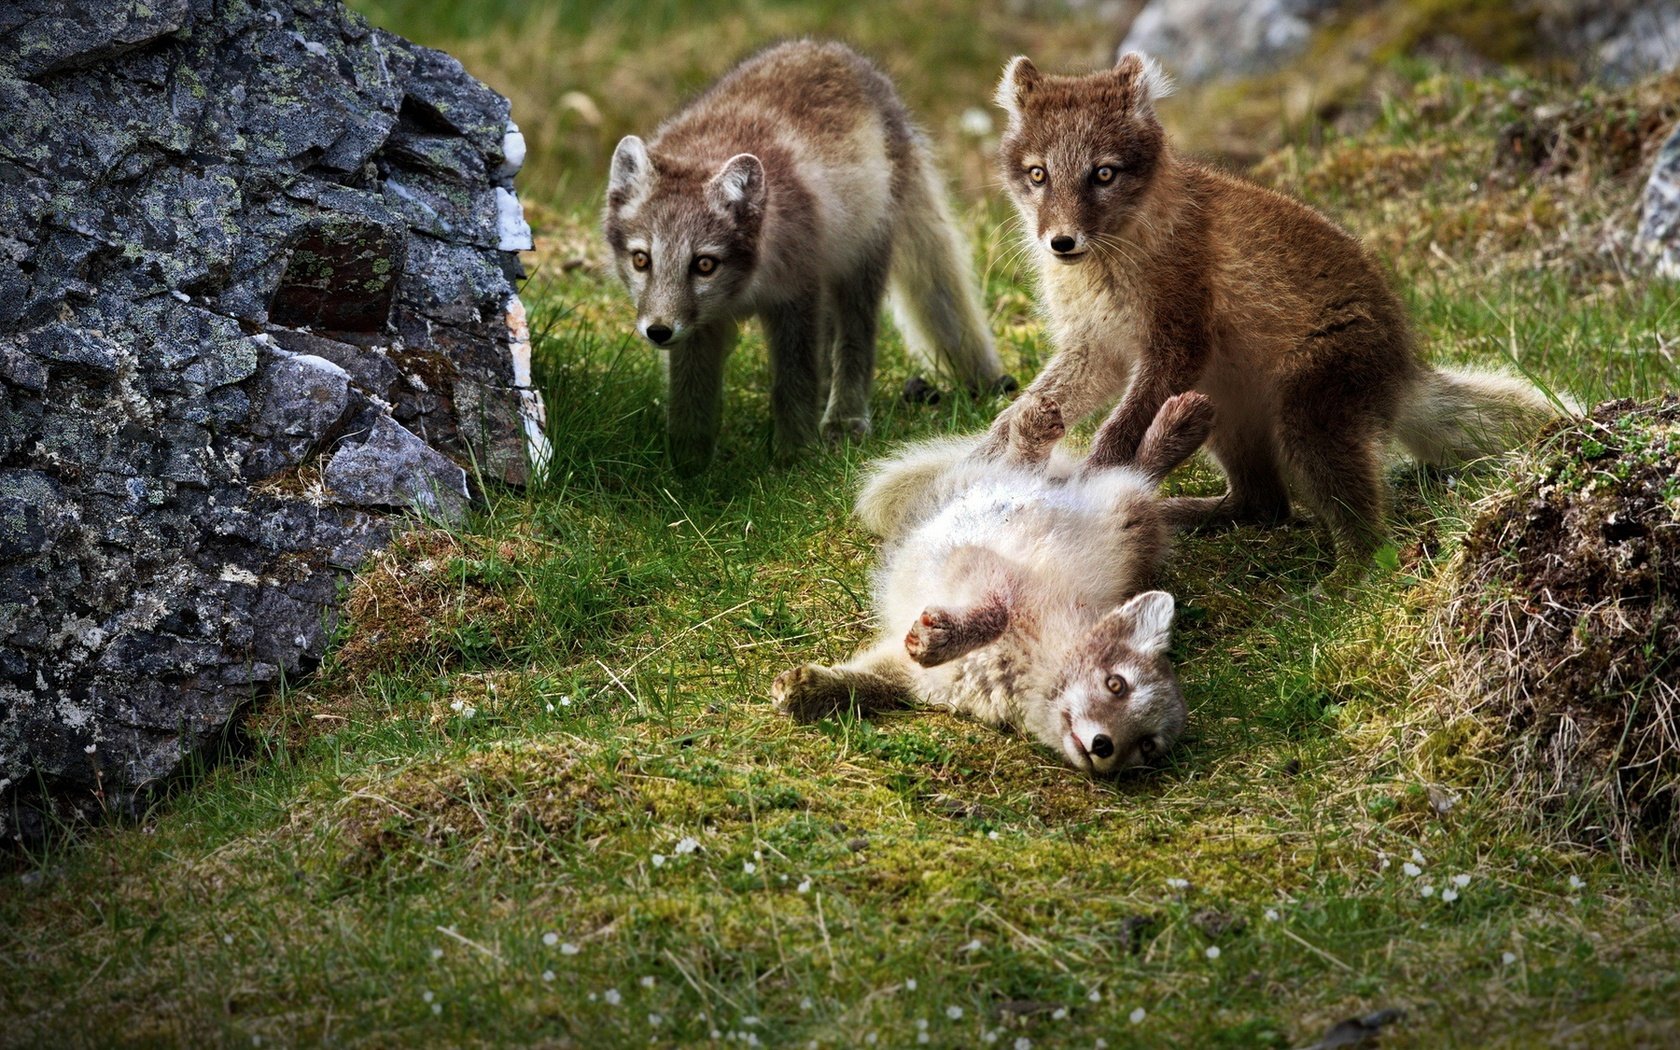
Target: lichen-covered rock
x,y
1564,624
1658,236
256,265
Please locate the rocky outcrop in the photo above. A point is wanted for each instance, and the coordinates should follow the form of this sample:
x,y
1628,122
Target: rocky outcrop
x,y
256,298
1202,40
1658,237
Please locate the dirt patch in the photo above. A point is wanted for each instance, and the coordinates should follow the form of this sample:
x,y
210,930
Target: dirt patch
x,y
1565,609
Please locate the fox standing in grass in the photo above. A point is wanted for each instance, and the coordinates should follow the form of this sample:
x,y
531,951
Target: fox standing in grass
x,y
792,189
1160,275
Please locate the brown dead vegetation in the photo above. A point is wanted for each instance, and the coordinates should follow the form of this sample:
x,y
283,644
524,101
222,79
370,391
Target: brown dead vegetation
x,y
1563,616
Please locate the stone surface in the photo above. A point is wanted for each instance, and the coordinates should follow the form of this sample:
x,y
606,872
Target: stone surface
x,y
1616,41
1200,40
1658,236
256,303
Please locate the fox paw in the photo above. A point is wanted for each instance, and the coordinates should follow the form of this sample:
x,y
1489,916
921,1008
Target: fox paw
x,y
1036,427
932,637
847,428
807,693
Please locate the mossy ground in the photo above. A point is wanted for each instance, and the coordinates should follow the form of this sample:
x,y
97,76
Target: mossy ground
x,y
538,794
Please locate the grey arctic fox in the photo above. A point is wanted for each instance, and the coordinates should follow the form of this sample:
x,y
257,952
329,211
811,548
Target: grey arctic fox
x,y
795,189
1014,588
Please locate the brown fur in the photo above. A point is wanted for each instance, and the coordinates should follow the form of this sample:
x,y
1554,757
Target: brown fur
x,y
1185,278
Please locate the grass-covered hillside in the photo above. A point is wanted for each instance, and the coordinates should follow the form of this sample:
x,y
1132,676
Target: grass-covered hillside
x,y
538,794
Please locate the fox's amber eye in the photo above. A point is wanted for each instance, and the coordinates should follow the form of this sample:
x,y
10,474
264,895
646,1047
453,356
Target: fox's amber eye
x,y
704,264
1036,175
1147,746
640,260
1116,685
1104,175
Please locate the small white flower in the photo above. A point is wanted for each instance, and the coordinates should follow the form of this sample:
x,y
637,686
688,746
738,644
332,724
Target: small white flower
x,y
655,1020
548,975
749,867
658,860
593,996
1508,958
548,708
457,705
976,123
1461,881
1178,884
923,1037
804,886
90,749
1213,951
1427,890
1411,869
565,701
1576,882
973,946
871,1038
750,1021
990,1037
910,983
805,1003
227,938
686,845
427,996
568,948
1094,995
1060,1014
1417,855
1023,1043
437,1008
954,1012
469,712
993,835
921,1024
1449,895
648,981
1101,1044
1138,1015
551,938
1271,915
612,997
437,953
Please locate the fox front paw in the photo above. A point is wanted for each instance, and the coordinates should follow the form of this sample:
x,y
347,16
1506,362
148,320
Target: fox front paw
x,y
844,429
1037,425
931,638
808,693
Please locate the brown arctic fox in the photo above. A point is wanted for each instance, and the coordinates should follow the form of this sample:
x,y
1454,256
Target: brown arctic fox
x,y
794,189
1021,579
1159,275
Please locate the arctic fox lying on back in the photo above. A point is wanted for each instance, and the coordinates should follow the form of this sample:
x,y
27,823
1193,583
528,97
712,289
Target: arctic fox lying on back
x,y
1014,589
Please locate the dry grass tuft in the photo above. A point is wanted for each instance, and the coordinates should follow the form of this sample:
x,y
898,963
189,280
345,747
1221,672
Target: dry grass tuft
x,y
1563,621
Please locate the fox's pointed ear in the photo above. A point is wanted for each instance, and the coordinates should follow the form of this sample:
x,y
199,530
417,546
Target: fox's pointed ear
x,y
1149,615
738,187
631,167
1020,77
1152,81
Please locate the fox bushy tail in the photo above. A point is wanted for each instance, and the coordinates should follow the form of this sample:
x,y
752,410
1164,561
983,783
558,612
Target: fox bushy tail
x,y
935,299
1453,416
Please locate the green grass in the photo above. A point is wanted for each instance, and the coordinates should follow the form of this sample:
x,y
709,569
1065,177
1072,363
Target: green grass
x,y
524,722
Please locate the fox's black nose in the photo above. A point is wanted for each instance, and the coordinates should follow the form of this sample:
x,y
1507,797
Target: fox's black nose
x,y
1061,244
1102,746
658,333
